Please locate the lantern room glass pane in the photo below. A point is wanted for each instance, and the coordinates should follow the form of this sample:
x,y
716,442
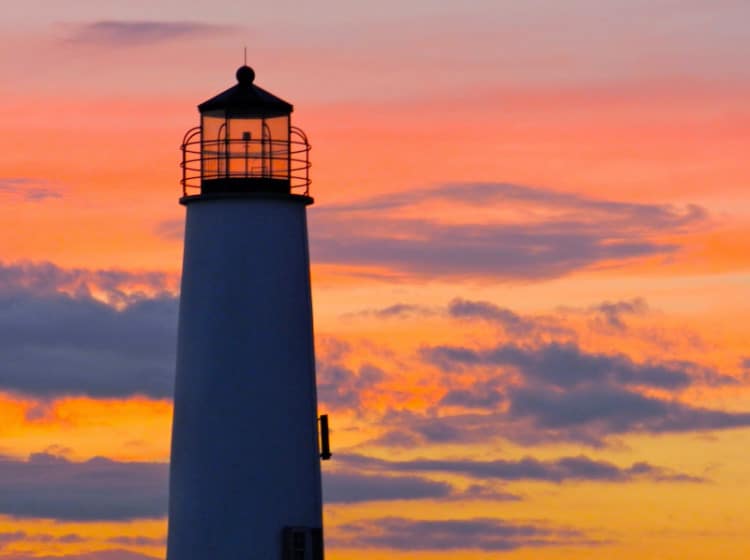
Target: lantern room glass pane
x,y
242,146
213,145
277,130
245,154
258,147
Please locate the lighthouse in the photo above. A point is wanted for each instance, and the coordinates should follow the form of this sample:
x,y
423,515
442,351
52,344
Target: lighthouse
x,y
245,464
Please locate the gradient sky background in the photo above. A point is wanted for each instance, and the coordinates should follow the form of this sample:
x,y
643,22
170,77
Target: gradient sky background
x,y
531,256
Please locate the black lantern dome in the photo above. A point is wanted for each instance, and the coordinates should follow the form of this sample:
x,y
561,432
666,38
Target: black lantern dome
x,y
245,144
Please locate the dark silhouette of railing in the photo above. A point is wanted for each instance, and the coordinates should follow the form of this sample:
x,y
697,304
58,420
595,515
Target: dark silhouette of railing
x,y
285,161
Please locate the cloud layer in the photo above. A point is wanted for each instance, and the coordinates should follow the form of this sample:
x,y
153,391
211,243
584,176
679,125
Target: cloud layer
x,y
551,391
57,339
34,190
111,554
49,486
349,487
130,33
100,489
55,345
566,366
564,469
484,534
553,234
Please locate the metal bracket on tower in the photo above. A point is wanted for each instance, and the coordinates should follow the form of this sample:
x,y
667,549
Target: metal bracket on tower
x,y
325,439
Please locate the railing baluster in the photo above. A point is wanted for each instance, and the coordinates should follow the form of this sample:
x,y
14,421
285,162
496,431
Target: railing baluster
x,y
208,154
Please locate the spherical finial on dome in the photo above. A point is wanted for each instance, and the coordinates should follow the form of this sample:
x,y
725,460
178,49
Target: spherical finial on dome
x,y
245,75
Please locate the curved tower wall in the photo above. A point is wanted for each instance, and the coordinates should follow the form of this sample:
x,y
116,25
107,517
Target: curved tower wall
x,y
245,461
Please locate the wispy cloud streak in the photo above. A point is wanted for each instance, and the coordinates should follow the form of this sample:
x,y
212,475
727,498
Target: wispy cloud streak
x,y
34,190
560,232
484,534
564,469
131,33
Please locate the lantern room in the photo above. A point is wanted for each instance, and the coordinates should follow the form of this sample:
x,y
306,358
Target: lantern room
x,y
245,143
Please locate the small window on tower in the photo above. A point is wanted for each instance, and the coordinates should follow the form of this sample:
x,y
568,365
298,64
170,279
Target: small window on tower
x,y
303,543
300,540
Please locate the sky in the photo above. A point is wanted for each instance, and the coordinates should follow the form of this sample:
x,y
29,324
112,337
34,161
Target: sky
x,y
530,259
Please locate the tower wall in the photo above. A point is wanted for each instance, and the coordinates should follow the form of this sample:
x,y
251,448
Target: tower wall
x,y
245,460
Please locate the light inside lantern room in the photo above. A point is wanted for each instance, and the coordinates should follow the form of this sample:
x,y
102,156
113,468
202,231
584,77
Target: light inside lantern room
x,y
239,143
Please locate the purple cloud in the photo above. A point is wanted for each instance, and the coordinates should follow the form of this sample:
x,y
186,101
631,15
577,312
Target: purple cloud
x,y
341,387
565,365
511,321
586,415
34,190
611,314
348,488
47,486
564,469
41,278
578,232
111,554
131,33
484,534
557,391
55,345
396,311
13,537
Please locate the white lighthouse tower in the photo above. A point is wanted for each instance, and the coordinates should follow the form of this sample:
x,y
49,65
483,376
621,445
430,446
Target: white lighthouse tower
x,y
245,467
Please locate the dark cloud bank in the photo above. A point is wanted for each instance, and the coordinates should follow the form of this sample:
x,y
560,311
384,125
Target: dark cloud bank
x,y
59,344
558,392
533,389
565,469
56,339
48,486
566,366
579,232
55,344
44,278
340,387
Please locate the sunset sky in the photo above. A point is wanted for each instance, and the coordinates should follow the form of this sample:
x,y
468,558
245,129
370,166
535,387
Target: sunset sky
x,y
530,259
